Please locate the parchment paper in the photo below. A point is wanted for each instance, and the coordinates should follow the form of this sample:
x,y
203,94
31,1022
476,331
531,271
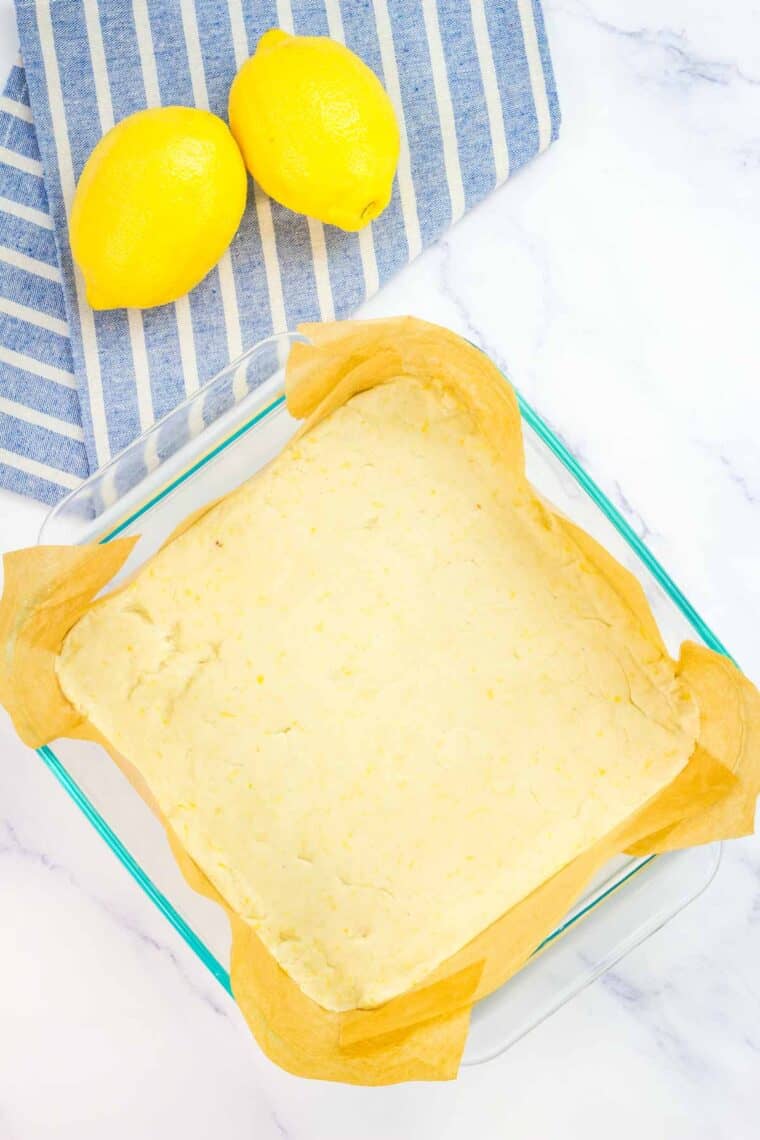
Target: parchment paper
x,y
420,1034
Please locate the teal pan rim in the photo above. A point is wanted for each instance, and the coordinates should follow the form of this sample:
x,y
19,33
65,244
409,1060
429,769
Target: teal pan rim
x,y
584,480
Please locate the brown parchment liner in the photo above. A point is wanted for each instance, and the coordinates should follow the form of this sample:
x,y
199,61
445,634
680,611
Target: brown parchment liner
x,y
420,1034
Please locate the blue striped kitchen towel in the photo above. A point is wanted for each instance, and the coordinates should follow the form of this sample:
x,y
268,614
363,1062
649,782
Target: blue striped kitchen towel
x,y
473,87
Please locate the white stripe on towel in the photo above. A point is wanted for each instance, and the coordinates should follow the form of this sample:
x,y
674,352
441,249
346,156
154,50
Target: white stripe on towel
x,y
99,67
145,48
366,234
30,264
536,72
66,168
316,229
182,309
240,51
369,260
21,161
494,109
26,213
186,338
271,260
20,110
143,395
145,410
40,419
393,87
37,367
445,110
41,470
200,97
261,202
33,317
321,270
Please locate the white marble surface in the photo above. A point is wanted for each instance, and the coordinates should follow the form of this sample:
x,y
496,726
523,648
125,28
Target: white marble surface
x,y
617,281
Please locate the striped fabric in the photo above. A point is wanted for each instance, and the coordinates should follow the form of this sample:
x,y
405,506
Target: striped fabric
x,y
473,87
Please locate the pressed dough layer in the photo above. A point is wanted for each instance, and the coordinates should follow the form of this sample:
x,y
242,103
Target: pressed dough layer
x,y
379,695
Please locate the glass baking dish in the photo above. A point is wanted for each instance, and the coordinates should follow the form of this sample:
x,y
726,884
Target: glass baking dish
x,y
220,436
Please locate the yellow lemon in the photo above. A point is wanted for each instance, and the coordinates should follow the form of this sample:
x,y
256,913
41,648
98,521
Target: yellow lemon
x,y
158,202
317,130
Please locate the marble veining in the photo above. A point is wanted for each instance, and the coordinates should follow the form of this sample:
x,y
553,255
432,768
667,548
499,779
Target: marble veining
x,y
11,847
682,59
616,281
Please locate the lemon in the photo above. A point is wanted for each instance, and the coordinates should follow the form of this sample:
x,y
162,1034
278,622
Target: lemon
x,y
316,128
157,204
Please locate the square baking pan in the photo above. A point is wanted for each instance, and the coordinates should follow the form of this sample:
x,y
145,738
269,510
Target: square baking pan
x,y
221,435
